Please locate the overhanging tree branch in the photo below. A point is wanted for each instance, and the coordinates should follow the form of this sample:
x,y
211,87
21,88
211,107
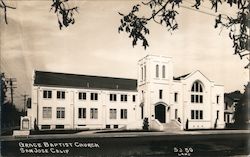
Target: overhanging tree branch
x,y
5,7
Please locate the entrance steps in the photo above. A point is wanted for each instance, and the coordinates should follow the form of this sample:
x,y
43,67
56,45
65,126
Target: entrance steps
x,y
172,126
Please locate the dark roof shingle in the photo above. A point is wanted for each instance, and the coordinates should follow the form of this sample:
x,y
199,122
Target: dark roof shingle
x,y
83,81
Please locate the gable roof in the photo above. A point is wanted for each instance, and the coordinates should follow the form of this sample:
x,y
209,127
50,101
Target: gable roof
x,y
181,77
43,78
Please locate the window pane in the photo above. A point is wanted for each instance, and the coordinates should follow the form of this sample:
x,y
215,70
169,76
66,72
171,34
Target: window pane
x,y
192,98
196,114
201,114
157,70
192,114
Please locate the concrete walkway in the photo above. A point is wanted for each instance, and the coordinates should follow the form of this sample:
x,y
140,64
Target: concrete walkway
x,y
104,134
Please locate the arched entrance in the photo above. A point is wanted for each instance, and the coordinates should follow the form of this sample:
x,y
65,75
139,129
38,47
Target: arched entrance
x,y
160,113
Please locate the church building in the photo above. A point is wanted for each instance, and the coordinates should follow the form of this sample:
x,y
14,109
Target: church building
x,y
73,101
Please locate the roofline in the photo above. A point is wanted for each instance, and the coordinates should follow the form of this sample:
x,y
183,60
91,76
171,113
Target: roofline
x,y
83,75
194,73
108,89
153,56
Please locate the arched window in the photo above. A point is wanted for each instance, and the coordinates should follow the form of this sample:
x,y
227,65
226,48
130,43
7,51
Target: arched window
x,y
157,71
163,71
197,92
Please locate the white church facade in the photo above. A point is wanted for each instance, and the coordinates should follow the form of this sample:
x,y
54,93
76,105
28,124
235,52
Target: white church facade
x,y
71,101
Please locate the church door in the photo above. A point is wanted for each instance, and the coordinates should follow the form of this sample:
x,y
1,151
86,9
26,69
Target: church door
x,y
160,113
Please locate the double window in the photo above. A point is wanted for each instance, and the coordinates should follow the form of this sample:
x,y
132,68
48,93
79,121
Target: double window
x,y
112,97
112,113
94,96
47,94
93,113
196,114
124,97
47,112
197,92
81,112
60,112
124,113
60,94
82,96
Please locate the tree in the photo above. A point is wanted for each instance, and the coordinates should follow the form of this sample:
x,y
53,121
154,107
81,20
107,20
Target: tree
x,y
64,13
164,12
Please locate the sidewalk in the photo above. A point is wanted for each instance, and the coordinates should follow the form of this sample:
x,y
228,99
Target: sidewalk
x,y
94,134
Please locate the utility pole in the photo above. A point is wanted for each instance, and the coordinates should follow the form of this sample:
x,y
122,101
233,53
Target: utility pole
x,y
11,85
24,101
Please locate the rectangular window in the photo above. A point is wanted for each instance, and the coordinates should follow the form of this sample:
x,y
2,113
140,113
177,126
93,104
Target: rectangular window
x,y
107,126
112,113
59,126
201,98
201,114
82,96
160,94
192,114
47,112
45,126
124,97
60,94
93,113
115,126
176,113
60,112
196,114
81,112
47,94
175,97
217,116
196,98
112,97
217,99
192,98
123,113
94,96
134,98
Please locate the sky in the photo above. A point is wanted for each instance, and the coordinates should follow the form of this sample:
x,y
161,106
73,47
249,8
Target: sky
x,y
92,46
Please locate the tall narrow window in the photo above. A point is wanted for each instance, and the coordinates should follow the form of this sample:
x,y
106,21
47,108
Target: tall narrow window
x,y
175,97
160,94
176,113
157,71
142,111
145,72
217,116
217,99
163,72
197,92
134,98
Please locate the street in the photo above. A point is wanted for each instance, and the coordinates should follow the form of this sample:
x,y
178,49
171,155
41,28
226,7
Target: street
x,y
126,145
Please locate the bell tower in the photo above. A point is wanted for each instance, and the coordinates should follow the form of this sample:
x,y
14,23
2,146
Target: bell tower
x,y
155,77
